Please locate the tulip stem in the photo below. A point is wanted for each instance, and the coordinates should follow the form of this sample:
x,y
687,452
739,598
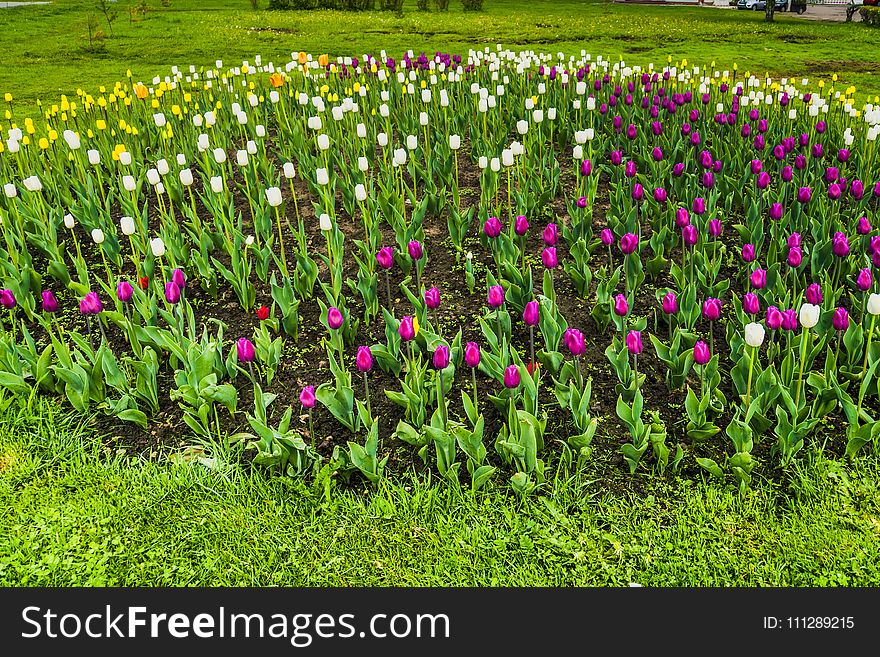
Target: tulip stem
x,y
388,291
311,430
474,382
281,242
577,360
749,383
532,343
805,336
635,370
442,400
367,391
498,321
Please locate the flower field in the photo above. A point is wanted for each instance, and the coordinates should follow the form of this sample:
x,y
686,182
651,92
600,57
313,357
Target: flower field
x,y
488,265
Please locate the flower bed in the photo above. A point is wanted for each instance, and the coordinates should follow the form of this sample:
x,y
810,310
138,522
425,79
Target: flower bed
x,y
490,266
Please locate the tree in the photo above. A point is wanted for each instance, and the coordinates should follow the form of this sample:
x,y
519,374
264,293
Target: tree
x,y
771,6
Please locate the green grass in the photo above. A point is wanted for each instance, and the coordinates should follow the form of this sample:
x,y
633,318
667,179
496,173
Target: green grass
x,y
45,55
74,514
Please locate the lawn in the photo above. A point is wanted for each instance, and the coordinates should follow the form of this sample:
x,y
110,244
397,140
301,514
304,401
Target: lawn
x,y
45,47
76,513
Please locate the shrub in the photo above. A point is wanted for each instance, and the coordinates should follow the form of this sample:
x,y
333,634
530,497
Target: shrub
x,y
423,5
472,5
442,5
870,16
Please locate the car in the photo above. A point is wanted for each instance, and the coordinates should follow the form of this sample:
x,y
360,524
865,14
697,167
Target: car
x,y
797,6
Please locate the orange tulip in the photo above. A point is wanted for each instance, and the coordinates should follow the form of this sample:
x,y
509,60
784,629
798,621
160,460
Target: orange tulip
x,y
303,57
141,91
276,80
323,60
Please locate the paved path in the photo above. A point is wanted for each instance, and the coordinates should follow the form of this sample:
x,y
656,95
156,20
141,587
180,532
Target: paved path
x,y
814,12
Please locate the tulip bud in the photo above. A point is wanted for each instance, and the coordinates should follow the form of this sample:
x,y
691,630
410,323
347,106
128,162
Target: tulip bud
x,y
809,315
441,357
758,279
364,359
521,226
864,280
406,329
432,298
415,250
98,236
385,257
874,304
712,309
186,177
795,257
307,397
621,306
334,318
634,342
511,376
864,226
472,354
701,353
496,296
124,291
531,314
606,237
245,350
689,235
50,303
548,257
670,303
629,243
840,319
219,155
839,245
813,293
273,196
789,320
754,334
551,235
492,227
751,303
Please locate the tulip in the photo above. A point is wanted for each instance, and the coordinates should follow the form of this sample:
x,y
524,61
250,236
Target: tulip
x,y
172,292
839,245
441,361
385,257
748,252
521,226
751,303
774,318
124,291
809,317
307,397
789,320
531,313
699,205
511,377
864,279
715,228
415,250
795,257
621,307
245,350
607,237
496,297
50,303
178,278
551,235
689,235
548,257
574,341
660,195
492,227
754,335
334,318
712,309
89,305
864,226
803,195
840,319
776,211
432,298
7,299
701,356
364,359
758,279
262,313
629,243
670,303
813,293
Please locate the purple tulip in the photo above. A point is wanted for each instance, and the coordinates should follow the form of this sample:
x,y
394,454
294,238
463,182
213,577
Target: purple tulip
x,y
364,359
307,397
574,341
124,291
7,299
699,205
689,235
789,320
834,191
432,298
776,211
751,303
670,303
795,257
629,169
804,195
678,170
531,314
616,158
774,318
660,195
813,294
877,189
864,280
406,330
787,174
582,202
511,376
586,168
606,237
178,278
172,292
682,217
794,240
748,253
385,257
758,279
89,305
441,357
621,306
551,235
864,226
831,174
715,228
843,155
492,227
638,192
634,342
657,154
756,167
50,303
629,243
857,189
496,296
472,354
701,353
245,350
712,309
334,318
415,250
763,181
840,319
839,245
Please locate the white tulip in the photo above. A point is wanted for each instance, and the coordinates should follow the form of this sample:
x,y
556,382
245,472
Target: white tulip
x,y
454,142
128,183
754,334
157,247
274,97
322,176
153,177
202,142
507,157
495,164
260,131
399,157
325,223
162,167
186,177
216,184
483,162
159,119
251,147
874,304
289,170
360,193
538,116
98,236
273,195
127,225
412,142
577,152
125,158
94,157
69,221
361,130
423,118
197,120
160,189
10,190
249,240
323,142
363,164
241,158
32,184
13,146
522,127
551,113
809,315
219,155
242,118
72,140
382,139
